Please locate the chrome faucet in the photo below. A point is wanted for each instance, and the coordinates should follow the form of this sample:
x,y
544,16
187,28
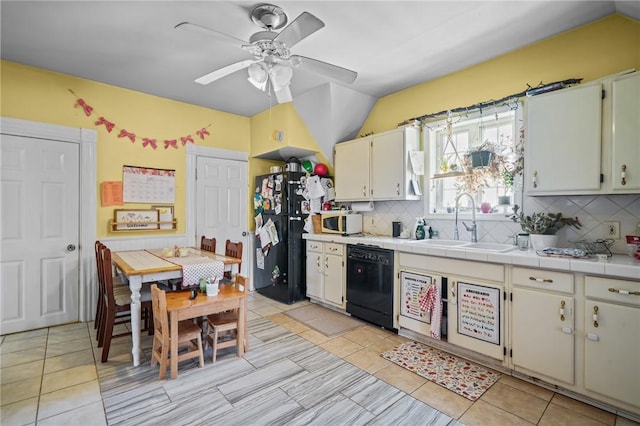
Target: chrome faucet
x,y
474,227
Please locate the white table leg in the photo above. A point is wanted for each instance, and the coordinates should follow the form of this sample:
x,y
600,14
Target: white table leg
x,y
135,284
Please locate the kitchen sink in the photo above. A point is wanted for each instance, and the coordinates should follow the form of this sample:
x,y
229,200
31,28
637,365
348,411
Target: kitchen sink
x,y
440,243
494,247
466,245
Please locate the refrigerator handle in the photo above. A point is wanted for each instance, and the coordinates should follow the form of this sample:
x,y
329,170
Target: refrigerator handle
x,y
295,218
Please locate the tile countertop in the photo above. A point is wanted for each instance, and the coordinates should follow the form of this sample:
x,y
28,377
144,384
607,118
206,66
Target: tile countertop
x,y
618,265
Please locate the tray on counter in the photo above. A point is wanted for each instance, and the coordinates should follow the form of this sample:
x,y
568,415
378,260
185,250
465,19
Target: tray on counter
x,y
572,253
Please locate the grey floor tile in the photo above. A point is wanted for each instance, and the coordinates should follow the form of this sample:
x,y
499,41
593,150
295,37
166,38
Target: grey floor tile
x,y
337,410
286,347
272,408
309,390
373,394
262,381
409,411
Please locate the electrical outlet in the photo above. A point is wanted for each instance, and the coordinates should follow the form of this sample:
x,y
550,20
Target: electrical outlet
x,y
612,230
373,222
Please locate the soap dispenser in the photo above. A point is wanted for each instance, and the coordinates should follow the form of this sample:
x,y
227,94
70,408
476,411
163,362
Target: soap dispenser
x,y
420,231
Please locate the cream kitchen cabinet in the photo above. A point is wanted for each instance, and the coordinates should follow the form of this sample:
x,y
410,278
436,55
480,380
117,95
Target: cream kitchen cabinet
x,y
577,142
377,167
326,272
315,269
543,324
625,163
612,340
351,168
474,295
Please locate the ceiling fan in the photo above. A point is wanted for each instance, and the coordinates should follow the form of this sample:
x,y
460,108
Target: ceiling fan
x,y
272,63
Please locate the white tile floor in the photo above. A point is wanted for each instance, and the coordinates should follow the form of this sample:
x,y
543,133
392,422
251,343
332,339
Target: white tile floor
x,y
292,375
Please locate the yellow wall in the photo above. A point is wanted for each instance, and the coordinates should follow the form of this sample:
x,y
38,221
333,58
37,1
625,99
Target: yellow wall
x,y
592,51
34,94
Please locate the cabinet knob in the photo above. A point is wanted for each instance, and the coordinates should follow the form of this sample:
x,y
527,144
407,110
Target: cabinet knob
x,y
595,316
623,174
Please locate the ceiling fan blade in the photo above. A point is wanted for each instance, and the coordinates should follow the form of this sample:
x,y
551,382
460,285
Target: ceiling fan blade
x,y
283,95
208,32
324,68
224,71
301,27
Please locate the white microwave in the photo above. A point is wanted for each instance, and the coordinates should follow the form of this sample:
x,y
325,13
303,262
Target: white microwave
x,y
341,223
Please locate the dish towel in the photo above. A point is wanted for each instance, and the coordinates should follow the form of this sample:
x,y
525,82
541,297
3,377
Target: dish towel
x,y
196,267
432,302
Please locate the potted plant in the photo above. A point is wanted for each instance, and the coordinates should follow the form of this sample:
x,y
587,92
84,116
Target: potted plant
x,y
543,227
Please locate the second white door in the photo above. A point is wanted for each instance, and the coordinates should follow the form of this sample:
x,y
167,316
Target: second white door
x,y
221,203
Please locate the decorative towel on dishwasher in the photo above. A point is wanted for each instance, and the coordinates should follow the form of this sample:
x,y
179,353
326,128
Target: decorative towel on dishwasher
x,y
196,267
432,302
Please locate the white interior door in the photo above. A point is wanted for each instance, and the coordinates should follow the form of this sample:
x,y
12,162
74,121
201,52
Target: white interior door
x,y
39,234
221,203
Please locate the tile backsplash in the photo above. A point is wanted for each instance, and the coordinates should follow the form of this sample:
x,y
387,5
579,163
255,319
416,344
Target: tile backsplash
x,y
591,210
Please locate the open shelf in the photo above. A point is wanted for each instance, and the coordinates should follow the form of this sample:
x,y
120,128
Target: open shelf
x,y
114,226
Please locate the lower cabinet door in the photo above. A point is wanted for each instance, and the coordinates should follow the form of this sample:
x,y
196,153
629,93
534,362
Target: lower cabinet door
x,y
612,351
334,280
314,275
542,334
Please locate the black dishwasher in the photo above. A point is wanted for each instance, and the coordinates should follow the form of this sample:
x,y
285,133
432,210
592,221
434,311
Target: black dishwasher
x,y
370,284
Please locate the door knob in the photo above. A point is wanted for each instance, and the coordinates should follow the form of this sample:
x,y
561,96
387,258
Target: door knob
x,y
245,233
71,247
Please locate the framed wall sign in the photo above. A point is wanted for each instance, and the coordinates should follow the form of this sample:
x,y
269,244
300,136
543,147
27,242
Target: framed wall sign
x,y
136,219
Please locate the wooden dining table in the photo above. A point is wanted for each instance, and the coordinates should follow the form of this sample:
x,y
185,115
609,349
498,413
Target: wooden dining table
x,y
180,307
146,266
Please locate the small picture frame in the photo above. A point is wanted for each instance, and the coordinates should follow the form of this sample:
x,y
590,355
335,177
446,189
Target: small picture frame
x,y
131,219
165,214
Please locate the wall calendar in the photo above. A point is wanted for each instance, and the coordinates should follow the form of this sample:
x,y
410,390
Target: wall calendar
x,y
148,185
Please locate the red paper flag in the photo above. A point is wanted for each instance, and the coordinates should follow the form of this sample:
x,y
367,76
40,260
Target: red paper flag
x,y
172,142
125,134
109,125
147,141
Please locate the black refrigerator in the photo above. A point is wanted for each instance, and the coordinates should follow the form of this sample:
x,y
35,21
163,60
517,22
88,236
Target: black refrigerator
x,y
279,269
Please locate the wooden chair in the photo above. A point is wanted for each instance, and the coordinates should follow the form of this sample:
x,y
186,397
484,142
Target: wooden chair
x,y
188,332
233,250
116,307
208,244
226,322
117,282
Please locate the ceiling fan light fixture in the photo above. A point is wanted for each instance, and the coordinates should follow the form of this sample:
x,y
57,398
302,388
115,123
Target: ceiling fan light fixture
x,y
280,76
258,76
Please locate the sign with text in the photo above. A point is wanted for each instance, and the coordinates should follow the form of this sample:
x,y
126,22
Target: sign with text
x,y
479,312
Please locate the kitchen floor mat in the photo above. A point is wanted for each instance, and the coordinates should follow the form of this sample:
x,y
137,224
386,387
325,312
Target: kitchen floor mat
x,y
456,374
324,320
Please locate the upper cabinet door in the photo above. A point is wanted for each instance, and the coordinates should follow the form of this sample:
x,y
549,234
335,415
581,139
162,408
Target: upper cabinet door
x,y
625,166
563,141
391,171
351,164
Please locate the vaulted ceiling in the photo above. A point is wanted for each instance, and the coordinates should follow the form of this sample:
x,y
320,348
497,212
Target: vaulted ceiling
x,y
392,45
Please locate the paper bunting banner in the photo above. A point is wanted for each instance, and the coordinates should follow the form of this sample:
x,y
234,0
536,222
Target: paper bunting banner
x,y
109,125
173,143
202,132
147,141
123,133
87,109
186,139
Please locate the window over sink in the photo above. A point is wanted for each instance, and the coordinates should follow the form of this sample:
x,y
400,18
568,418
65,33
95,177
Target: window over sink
x,y
480,154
